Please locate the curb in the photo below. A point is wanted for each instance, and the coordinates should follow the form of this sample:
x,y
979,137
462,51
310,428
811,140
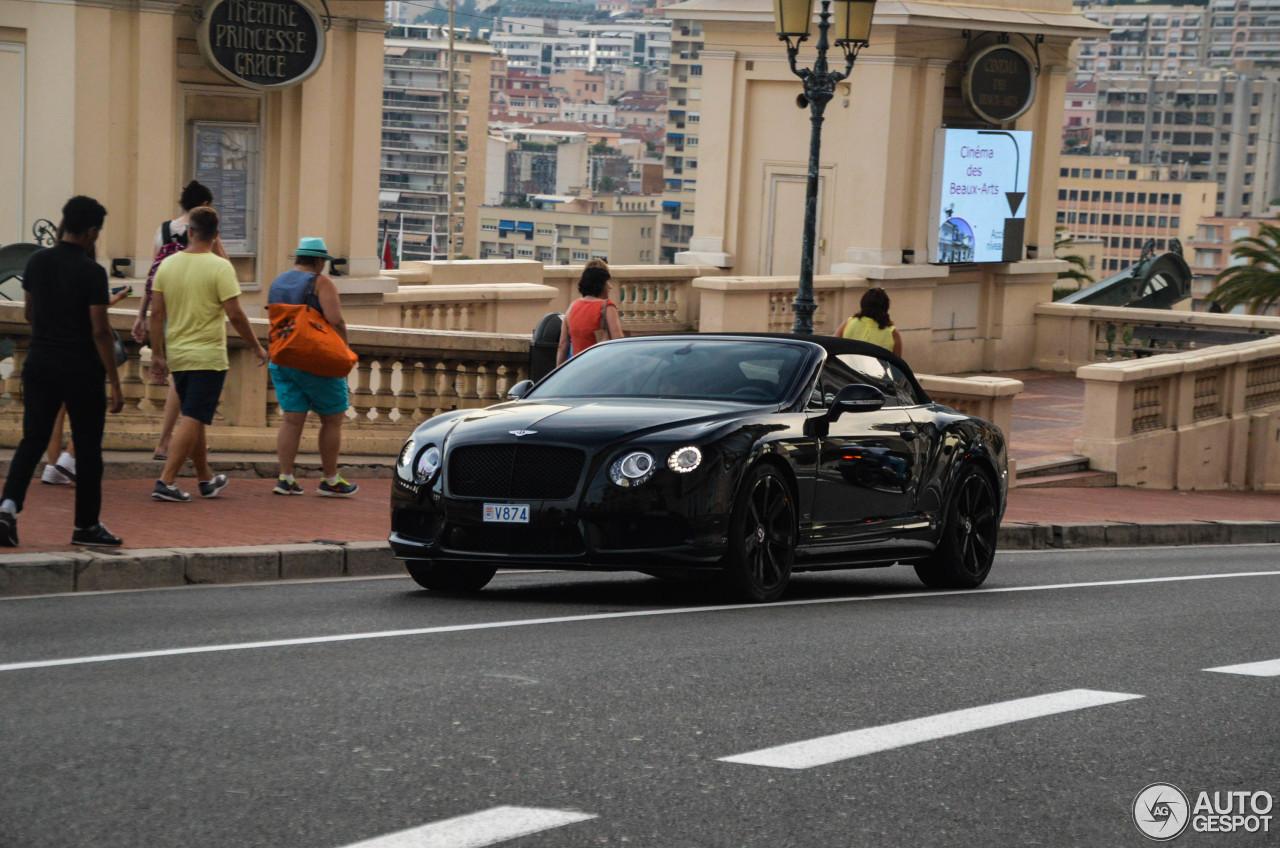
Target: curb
x,y
156,568
105,570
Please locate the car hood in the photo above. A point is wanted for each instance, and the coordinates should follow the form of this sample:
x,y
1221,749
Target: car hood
x,y
590,422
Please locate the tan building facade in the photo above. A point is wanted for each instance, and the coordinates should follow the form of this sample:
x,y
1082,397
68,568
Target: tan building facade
x,y
415,139
875,174
117,101
1210,251
569,231
1125,205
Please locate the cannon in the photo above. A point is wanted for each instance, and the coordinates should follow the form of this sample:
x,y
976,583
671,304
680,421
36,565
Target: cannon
x,y
1155,281
13,258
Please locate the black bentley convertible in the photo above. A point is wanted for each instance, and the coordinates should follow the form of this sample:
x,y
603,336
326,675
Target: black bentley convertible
x,y
746,457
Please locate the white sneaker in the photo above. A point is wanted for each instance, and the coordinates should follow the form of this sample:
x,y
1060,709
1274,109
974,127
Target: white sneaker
x,y
54,477
67,465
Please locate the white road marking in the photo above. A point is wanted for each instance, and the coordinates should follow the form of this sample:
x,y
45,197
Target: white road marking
x,y
1266,668
487,827
603,616
871,740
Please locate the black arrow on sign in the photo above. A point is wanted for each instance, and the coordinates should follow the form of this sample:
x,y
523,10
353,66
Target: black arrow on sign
x,y
1014,197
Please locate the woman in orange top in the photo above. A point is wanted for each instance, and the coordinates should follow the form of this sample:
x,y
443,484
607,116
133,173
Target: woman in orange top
x,y
589,313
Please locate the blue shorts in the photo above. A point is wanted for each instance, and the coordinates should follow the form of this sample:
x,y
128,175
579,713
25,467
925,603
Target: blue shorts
x,y
198,391
302,391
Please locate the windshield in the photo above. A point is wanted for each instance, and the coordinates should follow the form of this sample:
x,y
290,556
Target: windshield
x,y
696,369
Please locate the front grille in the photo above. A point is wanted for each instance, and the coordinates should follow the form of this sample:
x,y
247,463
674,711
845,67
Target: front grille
x,y
527,472
531,541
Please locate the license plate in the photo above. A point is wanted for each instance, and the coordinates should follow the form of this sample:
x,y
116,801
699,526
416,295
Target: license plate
x,y
506,513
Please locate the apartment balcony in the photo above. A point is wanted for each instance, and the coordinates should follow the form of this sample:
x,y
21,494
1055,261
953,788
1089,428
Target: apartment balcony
x,y
402,104
403,62
439,170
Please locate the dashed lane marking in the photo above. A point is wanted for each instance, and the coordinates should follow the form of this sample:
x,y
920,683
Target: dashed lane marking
x,y
475,830
1266,668
871,740
603,616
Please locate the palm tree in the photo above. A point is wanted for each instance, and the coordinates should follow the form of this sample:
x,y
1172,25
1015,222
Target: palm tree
x,y
1254,278
1079,270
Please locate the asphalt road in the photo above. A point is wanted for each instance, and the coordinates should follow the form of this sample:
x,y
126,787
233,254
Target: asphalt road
x,y
584,710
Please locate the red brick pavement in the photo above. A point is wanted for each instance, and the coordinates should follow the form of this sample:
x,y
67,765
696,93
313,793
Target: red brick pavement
x,y
1048,415
247,513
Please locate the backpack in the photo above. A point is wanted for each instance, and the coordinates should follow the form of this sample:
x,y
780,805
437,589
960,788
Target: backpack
x,y
172,244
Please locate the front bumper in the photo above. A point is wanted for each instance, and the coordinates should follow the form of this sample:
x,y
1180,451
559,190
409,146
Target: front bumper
x,y
617,530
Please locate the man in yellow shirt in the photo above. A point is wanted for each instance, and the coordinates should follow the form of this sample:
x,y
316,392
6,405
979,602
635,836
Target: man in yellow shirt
x,y
195,290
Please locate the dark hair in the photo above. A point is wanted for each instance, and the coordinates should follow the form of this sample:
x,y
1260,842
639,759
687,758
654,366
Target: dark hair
x,y
81,214
203,221
315,263
195,194
594,277
875,305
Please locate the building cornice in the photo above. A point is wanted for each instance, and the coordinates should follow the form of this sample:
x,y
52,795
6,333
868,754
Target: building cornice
x,y
915,14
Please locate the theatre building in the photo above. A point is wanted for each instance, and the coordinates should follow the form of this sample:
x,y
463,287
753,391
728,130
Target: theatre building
x,y
271,103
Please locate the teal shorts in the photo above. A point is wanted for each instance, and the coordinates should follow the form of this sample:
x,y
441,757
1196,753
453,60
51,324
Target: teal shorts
x,y
301,391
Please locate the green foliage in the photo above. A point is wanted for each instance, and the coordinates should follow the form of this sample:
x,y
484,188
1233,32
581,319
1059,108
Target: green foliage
x,y
1079,270
1255,278
1059,292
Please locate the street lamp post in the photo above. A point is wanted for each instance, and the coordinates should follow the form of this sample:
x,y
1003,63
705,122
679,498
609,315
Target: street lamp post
x,y
852,25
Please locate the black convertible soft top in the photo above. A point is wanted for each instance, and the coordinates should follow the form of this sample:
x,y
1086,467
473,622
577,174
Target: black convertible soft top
x,y
833,345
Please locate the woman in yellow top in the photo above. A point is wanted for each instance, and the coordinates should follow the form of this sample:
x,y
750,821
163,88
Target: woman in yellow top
x,y
872,323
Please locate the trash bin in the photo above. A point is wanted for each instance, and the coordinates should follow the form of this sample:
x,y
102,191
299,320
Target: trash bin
x,y
542,350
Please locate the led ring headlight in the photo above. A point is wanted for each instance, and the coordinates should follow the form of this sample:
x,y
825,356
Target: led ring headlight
x,y
427,465
683,460
632,469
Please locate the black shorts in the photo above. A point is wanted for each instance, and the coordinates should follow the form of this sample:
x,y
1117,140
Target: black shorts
x,y
199,392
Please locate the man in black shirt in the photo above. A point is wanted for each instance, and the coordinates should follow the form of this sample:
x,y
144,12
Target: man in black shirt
x,y
70,353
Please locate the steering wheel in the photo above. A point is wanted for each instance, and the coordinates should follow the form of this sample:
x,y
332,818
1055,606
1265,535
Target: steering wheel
x,y
752,392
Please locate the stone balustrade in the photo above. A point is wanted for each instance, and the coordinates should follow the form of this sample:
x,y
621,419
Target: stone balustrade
x,y
1070,335
1205,419
989,398
510,296
403,377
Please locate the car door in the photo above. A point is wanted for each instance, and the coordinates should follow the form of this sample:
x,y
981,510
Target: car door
x,y
868,462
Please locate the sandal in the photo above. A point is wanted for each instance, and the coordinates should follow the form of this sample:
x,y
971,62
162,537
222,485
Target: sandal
x,y
160,457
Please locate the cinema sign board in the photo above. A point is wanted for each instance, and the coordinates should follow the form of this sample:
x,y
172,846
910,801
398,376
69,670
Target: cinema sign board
x,y
262,44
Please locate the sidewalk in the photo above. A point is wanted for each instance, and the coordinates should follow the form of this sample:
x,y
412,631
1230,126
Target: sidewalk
x,y
248,533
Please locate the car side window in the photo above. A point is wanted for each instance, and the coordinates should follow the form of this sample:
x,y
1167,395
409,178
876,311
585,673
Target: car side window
x,y
906,390
868,370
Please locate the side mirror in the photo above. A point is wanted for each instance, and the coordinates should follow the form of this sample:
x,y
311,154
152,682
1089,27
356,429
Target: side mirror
x,y
857,397
519,390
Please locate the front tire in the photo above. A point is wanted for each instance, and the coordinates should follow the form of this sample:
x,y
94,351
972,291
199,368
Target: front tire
x,y
449,577
762,537
963,557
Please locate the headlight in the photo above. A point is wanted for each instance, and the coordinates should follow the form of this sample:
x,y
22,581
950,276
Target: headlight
x,y
427,466
632,469
684,460
406,459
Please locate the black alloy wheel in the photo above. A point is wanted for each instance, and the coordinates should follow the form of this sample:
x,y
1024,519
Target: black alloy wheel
x,y
967,548
449,577
762,537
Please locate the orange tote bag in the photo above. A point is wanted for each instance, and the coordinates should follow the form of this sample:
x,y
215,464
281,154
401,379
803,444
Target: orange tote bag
x,y
301,338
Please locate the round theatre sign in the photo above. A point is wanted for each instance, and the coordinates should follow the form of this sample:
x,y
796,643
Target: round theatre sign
x,y
262,44
999,83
